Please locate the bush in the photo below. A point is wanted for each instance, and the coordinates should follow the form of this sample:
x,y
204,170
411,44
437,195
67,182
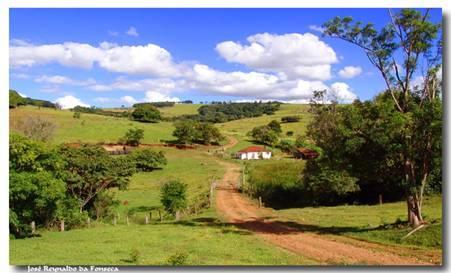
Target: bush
x,y
290,119
77,115
147,160
286,146
133,137
191,131
37,128
135,255
264,135
177,259
173,196
289,133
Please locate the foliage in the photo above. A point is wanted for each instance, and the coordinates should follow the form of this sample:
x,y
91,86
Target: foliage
x,y
289,133
37,128
399,50
99,111
177,259
35,185
15,99
133,137
159,104
135,255
190,131
286,146
173,196
147,159
287,119
275,126
77,115
104,204
90,171
146,113
223,112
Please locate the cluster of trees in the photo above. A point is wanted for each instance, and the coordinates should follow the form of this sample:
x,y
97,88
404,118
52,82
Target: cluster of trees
x,y
146,112
100,111
192,131
52,183
267,134
223,112
17,100
159,104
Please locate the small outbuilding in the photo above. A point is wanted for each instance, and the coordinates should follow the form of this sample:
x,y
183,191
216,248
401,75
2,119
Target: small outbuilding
x,y
305,153
253,152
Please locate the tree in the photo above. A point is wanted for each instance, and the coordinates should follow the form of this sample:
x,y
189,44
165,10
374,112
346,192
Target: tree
x,y
290,119
264,135
185,131
35,186
146,113
90,171
173,197
396,51
207,134
147,160
275,126
37,128
133,137
77,115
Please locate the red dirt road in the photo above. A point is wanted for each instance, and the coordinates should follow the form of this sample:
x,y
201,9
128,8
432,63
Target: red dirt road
x,y
326,249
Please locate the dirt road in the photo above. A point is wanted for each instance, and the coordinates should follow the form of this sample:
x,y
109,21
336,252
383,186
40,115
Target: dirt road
x,y
326,249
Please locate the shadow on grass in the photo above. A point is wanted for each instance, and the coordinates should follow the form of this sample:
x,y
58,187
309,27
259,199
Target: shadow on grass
x,y
210,222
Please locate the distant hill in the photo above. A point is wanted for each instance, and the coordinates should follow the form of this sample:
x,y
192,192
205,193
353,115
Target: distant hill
x,y
17,100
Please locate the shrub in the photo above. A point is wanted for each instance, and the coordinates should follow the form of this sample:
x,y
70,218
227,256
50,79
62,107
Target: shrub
x,y
289,133
133,137
37,128
135,255
77,115
177,259
173,196
290,119
264,135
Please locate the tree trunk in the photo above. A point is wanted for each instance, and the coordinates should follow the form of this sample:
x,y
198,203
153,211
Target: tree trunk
x,y
413,215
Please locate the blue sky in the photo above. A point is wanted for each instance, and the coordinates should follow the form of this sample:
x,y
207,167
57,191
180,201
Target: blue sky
x,y
113,57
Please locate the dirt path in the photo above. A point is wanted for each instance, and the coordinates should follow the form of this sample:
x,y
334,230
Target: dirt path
x,y
326,249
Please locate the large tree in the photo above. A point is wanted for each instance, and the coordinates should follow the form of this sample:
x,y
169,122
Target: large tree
x,y
405,49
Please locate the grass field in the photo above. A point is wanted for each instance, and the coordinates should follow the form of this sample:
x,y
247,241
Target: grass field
x,y
372,223
193,167
90,127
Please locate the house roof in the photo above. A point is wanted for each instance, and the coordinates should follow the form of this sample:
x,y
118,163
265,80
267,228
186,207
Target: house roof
x,y
252,149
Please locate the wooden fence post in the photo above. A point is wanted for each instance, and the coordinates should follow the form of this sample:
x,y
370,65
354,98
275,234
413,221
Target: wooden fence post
x,y
177,215
128,223
260,204
89,222
380,199
150,215
33,227
62,225
159,213
114,221
212,188
147,220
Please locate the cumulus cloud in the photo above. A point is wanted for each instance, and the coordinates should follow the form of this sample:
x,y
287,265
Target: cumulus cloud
x,y
129,100
349,72
149,59
132,32
341,92
22,95
296,55
68,102
152,96
58,79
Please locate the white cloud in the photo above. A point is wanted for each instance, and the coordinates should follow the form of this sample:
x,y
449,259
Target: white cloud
x,y
152,96
129,100
349,72
113,33
102,99
149,59
68,102
21,76
296,55
22,95
132,32
341,92
316,28
58,79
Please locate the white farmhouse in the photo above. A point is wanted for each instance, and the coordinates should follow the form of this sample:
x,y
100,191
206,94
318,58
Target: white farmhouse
x,y
253,152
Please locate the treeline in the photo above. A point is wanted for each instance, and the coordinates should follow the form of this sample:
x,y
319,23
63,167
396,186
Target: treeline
x,y
16,100
220,112
100,111
49,183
